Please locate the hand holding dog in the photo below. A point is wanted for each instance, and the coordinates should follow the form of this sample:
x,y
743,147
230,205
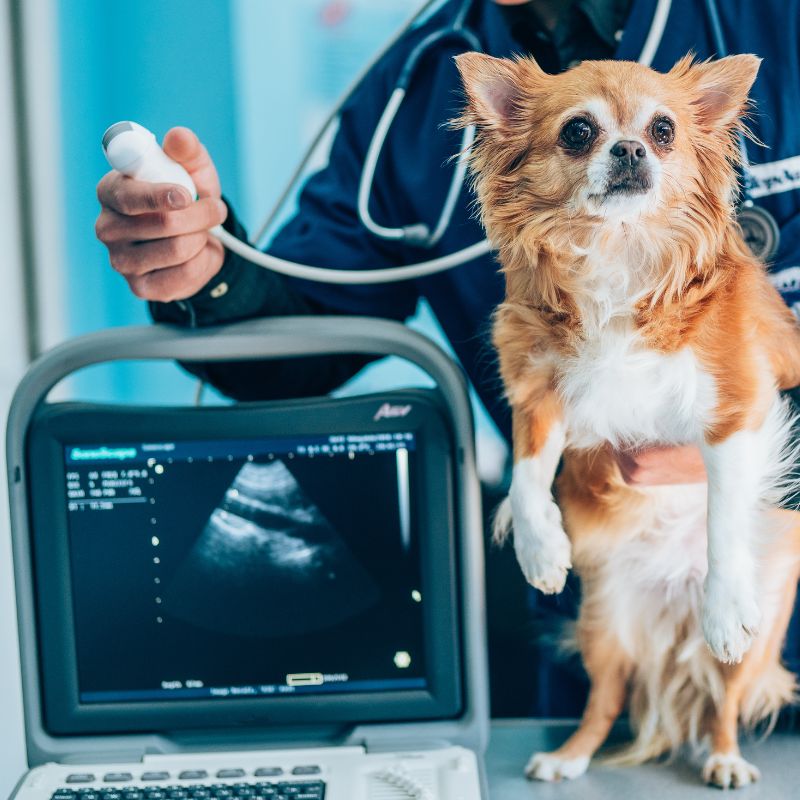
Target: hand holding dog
x,y
157,238
661,466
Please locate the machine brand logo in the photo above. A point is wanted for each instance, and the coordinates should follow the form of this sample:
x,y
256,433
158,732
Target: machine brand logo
x,y
102,453
388,411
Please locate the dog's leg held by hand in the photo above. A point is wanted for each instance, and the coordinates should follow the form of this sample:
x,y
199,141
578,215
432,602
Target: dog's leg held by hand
x,y
541,545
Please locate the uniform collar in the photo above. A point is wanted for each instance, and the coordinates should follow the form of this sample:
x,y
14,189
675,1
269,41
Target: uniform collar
x,y
606,16
491,26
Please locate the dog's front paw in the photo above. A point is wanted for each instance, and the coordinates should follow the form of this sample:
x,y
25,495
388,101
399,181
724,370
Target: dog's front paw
x,y
543,552
552,767
731,617
729,771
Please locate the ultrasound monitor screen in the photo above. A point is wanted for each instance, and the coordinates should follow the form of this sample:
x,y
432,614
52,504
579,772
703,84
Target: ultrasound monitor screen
x,y
245,568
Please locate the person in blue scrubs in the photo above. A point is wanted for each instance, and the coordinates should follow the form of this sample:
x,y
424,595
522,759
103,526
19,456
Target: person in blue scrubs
x,y
157,238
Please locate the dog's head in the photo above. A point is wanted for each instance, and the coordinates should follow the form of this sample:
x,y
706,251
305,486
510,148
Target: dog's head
x,y
605,141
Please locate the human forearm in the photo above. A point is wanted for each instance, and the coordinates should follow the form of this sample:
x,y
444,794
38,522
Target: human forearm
x,y
244,291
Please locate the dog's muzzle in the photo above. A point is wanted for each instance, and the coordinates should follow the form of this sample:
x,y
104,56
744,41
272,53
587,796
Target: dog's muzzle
x,y
629,172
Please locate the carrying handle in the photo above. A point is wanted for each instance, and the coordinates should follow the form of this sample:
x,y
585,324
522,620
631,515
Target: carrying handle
x,y
278,337
274,338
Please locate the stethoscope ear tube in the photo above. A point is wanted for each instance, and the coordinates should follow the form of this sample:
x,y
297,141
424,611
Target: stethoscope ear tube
x,y
417,234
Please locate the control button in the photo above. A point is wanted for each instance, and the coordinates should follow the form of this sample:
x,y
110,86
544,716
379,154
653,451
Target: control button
x,y
117,777
230,773
193,775
268,772
155,776
80,777
312,770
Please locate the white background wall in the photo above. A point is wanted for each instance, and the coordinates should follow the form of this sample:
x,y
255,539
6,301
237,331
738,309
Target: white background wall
x,y
12,362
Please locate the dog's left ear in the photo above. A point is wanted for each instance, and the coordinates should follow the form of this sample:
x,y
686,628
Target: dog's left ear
x,y
494,87
722,87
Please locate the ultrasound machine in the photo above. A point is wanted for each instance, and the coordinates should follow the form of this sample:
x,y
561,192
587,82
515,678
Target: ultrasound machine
x,y
264,600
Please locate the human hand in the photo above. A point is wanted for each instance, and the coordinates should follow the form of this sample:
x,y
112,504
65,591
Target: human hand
x,y
661,466
157,238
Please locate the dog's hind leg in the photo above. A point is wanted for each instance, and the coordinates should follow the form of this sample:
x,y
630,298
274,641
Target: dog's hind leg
x,y
756,688
609,668
725,767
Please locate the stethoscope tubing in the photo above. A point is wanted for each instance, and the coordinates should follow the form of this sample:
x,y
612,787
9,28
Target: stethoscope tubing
x,y
416,234
419,232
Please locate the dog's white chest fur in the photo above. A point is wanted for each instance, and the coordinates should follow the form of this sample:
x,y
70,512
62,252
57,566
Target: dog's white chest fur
x,y
615,389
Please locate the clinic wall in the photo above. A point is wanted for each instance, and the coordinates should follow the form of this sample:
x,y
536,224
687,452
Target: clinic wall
x,y
12,362
161,64
317,47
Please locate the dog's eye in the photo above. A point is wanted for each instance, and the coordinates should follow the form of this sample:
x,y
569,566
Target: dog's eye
x,y
578,134
663,131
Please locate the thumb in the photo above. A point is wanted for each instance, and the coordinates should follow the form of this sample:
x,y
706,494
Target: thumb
x,y
183,146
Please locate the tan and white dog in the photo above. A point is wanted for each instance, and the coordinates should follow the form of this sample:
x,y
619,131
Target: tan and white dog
x,y
635,315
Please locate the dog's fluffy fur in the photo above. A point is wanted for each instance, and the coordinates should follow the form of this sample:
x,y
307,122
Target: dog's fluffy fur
x,y
635,315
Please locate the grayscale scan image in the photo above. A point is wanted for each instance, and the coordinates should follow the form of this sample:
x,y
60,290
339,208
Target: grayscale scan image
x,y
269,552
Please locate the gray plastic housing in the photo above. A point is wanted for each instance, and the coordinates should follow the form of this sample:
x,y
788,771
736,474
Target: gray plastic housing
x,y
252,340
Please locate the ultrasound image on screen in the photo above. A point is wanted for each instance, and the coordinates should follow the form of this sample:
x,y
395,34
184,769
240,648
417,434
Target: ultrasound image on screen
x,y
265,549
245,568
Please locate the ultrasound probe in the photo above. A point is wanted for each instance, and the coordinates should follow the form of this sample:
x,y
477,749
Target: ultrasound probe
x,y
133,150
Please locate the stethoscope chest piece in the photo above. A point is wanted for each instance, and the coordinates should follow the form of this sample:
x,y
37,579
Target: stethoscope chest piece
x,y
760,231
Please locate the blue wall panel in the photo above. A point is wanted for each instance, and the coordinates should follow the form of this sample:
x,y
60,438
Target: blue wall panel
x,y
161,64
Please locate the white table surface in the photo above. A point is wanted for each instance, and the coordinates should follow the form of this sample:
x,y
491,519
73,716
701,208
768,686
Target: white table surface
x,y
513,741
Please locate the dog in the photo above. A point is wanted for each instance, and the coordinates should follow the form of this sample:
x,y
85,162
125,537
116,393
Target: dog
x,y
634,316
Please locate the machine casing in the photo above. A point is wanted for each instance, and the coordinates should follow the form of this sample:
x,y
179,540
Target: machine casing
x,y
257,340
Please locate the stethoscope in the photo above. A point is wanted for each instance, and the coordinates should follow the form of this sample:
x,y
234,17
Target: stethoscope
x,y
418,234
759,228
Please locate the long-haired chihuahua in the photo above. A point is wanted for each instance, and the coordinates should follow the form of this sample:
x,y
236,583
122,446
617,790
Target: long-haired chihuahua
x,y
635,315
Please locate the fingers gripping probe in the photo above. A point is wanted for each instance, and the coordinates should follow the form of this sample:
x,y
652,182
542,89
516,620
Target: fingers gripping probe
x,y
133,150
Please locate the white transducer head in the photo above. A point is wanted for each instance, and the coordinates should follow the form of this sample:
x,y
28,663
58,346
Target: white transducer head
x,y
134,151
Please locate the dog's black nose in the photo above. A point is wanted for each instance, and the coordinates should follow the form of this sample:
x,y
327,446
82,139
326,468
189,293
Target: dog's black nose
x,y
628,151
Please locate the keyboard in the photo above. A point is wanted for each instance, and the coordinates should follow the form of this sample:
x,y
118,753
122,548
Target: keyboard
x,y
273,790
321,773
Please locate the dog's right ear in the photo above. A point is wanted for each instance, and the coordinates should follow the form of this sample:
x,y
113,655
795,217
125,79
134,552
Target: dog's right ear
x,y
493,86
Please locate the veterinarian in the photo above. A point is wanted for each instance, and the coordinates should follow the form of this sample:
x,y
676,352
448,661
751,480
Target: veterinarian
x,y
158,239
